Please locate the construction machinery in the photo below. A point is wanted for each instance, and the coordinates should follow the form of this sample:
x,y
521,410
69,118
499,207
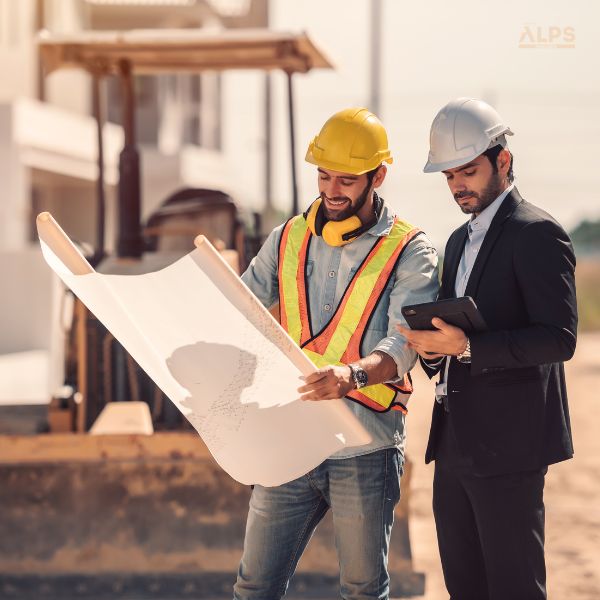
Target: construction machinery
x,y
140,515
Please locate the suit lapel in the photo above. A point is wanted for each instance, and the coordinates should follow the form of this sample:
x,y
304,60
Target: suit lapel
x,y
504,212
452,260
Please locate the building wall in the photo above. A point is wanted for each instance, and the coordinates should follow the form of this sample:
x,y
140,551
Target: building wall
x,y
175,112
48,148
17,55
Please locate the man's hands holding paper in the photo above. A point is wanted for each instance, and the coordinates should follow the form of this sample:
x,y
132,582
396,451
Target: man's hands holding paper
x,y
335,381
332,381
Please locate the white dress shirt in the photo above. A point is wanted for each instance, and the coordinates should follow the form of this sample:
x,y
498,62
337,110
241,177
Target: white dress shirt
x,y
477,228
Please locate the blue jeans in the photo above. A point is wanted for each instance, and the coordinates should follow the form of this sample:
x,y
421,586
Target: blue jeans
x,y
361,492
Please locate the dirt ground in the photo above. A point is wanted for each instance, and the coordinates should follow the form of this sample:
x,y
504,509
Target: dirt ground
x,y
572,493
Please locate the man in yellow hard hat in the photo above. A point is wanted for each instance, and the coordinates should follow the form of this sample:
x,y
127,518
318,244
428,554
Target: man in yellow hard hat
x,y
341,273
502,414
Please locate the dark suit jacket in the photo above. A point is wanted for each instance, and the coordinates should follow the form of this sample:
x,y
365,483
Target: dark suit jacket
x,y
509,407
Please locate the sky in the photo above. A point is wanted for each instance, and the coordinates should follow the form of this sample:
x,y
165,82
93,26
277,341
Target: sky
x,y
431,53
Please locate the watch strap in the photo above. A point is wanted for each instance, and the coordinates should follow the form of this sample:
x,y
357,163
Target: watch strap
x,y
465,355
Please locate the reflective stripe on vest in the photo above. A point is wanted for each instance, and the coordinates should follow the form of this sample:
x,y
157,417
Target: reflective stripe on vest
x,y
340,341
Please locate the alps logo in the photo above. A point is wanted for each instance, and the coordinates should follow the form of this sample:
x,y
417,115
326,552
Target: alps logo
x,y
551,36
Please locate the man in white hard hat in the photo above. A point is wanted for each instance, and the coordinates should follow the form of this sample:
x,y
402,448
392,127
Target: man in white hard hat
x,y
501,414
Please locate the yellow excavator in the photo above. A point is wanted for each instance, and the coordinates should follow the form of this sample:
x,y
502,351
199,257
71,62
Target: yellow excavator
x,y
148,514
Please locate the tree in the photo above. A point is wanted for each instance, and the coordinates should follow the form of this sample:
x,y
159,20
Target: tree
x,y
586,237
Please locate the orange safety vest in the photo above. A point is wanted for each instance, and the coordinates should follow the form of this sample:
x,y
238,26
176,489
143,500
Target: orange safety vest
x,y
340,340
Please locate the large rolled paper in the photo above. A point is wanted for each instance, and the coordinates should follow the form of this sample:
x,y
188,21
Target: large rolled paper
x,y
218,354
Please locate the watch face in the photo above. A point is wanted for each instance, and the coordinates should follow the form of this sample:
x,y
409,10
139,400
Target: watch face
x,y
361,377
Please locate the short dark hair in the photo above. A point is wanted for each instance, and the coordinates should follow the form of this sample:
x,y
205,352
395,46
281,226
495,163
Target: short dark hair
x,y
492,154
371,174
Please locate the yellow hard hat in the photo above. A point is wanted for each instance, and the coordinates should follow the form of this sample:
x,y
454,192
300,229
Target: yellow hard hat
x,y
351,141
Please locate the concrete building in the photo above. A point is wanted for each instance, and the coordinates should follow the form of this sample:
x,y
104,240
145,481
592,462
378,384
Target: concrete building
x,y
48,154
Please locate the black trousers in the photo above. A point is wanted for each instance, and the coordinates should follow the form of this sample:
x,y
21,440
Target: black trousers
x,y
490,529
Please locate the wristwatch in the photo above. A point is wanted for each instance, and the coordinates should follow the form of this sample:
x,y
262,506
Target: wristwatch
x,y
359,375
465,356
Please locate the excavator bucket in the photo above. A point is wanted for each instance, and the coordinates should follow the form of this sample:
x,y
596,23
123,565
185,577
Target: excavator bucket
x,y
143,516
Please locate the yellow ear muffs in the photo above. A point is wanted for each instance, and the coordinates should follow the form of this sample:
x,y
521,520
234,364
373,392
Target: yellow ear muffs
x,y
338,233
334,233
312,214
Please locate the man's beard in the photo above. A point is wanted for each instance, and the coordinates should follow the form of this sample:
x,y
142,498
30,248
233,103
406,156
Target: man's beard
x,y
351,210
491,191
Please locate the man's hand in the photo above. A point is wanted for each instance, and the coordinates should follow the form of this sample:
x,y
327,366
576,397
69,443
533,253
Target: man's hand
x,y
327,383
445,340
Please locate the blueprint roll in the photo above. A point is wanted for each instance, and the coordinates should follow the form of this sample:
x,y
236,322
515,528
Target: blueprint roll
x,y
230,284
52,234
218,354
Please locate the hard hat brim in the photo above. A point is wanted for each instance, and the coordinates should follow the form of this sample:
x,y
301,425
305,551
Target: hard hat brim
x,y
344,168
459,162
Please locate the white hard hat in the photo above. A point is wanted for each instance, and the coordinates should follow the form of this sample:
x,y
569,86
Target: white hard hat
x,y
461,131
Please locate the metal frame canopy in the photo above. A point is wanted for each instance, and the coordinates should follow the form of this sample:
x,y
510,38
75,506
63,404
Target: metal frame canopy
x,y
127,53
168,50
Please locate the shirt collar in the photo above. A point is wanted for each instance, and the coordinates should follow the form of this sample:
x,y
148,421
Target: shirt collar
x,y
384,223
484,219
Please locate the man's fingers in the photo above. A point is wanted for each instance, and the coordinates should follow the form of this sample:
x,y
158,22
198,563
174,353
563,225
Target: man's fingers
x,y
444,327
411,335
321,391
332,381
322,385
405,331
321,394
315,377
425,338
313,387
315,398
439,323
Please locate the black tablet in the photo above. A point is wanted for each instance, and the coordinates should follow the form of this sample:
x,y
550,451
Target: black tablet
x,y
461,312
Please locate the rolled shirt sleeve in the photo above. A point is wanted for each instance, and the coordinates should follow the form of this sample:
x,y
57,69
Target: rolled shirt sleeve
x,y
416,281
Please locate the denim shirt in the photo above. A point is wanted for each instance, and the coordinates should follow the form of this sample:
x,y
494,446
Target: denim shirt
x,y
329,269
